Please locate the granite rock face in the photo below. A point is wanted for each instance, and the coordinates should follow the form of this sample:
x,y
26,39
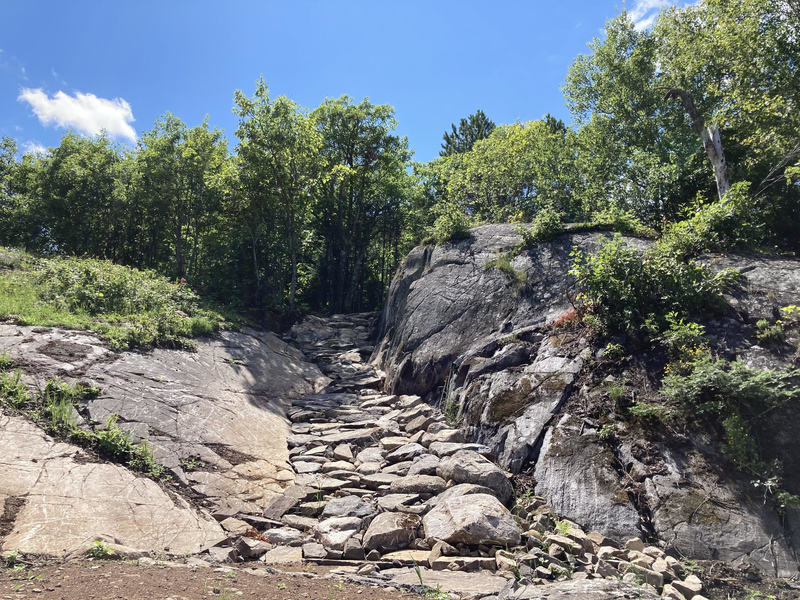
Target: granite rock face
x,y
57,500
215,418
463,336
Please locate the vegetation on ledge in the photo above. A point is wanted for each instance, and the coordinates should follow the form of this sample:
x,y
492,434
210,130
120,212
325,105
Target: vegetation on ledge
x,y
127,307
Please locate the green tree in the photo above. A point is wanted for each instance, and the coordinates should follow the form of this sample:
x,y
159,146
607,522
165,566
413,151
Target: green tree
x,y
279,158
177,169
362,190
515,171
476,126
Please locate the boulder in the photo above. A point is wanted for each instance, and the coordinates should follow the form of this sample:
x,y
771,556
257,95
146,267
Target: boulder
x,y
418,484
391,531
347,506
335,531
467,466
472,519
424,465
406,452
58,484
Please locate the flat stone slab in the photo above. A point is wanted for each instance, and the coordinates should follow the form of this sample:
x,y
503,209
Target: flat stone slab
x,y
223,406
57,500
467,585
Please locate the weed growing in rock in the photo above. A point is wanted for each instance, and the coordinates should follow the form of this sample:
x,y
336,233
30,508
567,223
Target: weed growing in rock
x,y
645,411
115,444
606,433
53,408
428,592
101,550
770,334
563,527
13,391
616,390
518,279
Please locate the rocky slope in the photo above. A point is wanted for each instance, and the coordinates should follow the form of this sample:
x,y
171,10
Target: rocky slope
x,y
215,418
481,345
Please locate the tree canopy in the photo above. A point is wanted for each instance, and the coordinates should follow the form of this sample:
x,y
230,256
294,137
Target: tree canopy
x,y
312,209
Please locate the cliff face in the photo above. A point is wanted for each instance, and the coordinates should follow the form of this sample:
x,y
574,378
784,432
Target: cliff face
x,y
480,342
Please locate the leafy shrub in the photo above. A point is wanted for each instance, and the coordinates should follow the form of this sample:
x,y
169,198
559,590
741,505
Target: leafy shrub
x,y
101,550
650,411
128,307
546,226
451,225
606,433
620,220
714,385
733,222
614,352
626,290
770,334
735,395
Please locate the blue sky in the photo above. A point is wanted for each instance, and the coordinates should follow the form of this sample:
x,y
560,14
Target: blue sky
x,y
119,65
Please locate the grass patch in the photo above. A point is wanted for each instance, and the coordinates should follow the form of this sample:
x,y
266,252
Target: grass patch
x,y
127,307
518,279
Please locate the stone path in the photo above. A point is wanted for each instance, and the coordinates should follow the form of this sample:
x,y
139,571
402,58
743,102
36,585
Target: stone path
x,y
384,485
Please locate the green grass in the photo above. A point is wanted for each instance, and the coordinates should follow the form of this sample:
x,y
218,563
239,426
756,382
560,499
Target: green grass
x,y
127,307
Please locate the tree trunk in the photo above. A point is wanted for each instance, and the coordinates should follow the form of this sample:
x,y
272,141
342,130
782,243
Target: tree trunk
x,y
709,135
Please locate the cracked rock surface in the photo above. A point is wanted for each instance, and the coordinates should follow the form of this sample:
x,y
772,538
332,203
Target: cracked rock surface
x,y
215,418
462,337
385,485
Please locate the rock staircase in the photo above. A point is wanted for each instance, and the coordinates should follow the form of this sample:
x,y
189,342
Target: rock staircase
x,y
386,489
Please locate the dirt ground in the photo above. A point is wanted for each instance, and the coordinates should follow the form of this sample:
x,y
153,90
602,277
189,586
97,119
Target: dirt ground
x,y
120,580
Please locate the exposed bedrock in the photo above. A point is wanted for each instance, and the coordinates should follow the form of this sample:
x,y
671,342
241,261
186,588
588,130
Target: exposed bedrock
x,y
216,418
481,346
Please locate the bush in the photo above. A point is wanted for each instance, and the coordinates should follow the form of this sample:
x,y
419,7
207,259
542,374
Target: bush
x,y
713,386
620,220
126,306
770,334
734,396
629,291
546,226
733,222
451,225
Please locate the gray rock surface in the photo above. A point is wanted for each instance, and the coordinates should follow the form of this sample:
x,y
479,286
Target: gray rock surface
x,y
457,333
391,531
466,466
57,500
223,405
472,519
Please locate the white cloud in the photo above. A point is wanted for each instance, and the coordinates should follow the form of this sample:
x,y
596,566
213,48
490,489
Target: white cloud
x,y
31,147
644,12
85,113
